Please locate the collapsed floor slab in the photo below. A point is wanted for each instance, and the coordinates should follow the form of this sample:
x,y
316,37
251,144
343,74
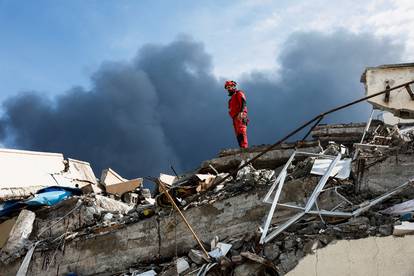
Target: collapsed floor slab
x,y
231,159
148,240
341,133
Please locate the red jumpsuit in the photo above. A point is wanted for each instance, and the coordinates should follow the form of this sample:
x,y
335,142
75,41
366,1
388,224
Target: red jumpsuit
x,y
237,104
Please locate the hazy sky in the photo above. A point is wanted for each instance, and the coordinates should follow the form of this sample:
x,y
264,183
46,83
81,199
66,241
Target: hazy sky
x,y
137,85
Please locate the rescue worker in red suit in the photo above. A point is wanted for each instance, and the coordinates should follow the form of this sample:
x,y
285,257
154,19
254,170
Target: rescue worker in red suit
x,y
238,112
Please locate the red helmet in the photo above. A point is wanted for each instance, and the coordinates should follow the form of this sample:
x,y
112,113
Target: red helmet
x,y
230,84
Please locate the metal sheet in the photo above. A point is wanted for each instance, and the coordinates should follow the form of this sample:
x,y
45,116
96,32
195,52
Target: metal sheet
x,y
342,169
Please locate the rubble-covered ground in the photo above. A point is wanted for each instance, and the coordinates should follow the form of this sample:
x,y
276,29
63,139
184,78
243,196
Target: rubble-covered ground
x,y
138,233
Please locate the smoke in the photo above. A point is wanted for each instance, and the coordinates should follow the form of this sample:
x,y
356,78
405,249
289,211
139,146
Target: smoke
x,y
165,107
319,72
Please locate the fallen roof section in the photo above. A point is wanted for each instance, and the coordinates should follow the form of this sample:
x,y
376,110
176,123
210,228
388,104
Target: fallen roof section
x,y
25,172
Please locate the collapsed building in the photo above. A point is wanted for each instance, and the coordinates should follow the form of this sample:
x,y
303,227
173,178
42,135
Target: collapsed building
x,y
341,202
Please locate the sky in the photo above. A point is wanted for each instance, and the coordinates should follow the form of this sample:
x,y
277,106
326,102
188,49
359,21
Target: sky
x,y
138,85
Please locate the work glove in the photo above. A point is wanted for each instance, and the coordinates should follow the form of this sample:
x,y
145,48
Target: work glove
x,y
243,117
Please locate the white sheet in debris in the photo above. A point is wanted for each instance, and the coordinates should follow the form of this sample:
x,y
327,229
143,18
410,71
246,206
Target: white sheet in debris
x,y
400,209
341,170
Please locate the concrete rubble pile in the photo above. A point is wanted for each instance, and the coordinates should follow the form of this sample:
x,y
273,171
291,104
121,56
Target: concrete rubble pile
x,y
261,220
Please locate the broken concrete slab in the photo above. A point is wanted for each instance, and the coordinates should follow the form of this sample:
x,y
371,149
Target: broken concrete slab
x,y
116,184
270,160
399,102
18,237
123,187
404,228
167,179
109,177
369,256
346,134
182,265
383,175
111,205
25,172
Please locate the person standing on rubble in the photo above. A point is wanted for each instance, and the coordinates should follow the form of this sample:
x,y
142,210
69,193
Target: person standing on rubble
x,y
238,112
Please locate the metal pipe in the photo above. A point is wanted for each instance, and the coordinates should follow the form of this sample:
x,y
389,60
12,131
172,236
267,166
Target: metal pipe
x,y
269,193
183,217
272,209
310,130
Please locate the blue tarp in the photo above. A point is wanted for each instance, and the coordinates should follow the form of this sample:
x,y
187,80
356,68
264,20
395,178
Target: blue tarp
x,y
47,196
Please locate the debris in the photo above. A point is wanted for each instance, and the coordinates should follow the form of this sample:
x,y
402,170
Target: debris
x,y
197,256
146,273
110,177
18,237
108,217
271,251
39,170
5,228
46,196
206,268
400,209
220,250
258,259
112,205
385,230
167,180
400,103
404,228
117,185
237,259
123,187
309,205
214,241
161,186
26,261
342,169
347,134
182,265
247,269
205,182
272,159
